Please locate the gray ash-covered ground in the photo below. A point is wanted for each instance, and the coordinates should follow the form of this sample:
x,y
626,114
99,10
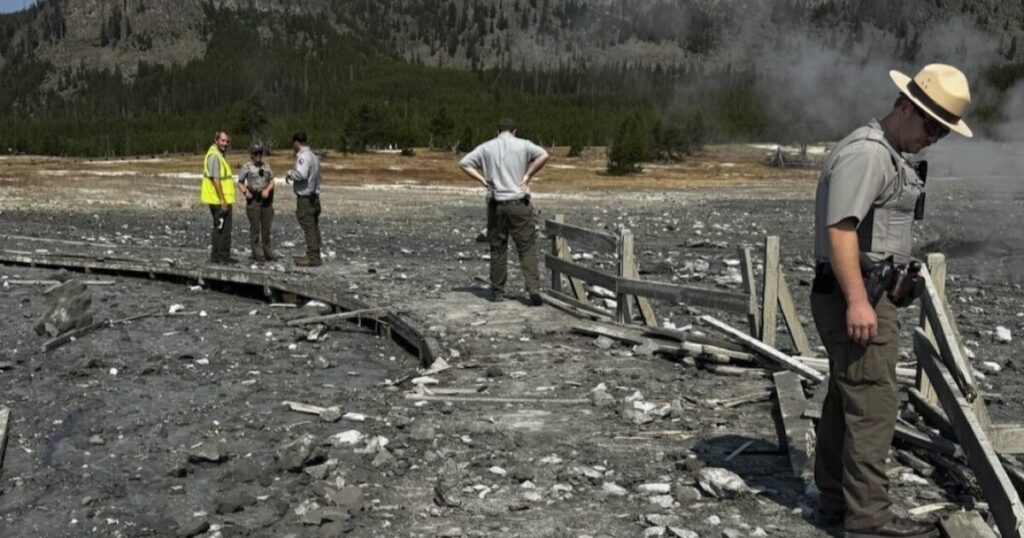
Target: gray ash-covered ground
x,y
449,469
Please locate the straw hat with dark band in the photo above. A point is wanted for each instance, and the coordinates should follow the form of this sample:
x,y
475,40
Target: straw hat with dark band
x,y
940,90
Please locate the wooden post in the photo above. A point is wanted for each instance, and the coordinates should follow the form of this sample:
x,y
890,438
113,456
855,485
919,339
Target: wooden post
x,y
5,419
562,250
770,304
946,337
626,260
556,277
754,313
796,330
632,270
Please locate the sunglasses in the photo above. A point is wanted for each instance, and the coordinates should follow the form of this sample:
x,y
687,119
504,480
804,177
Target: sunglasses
x,y
932,127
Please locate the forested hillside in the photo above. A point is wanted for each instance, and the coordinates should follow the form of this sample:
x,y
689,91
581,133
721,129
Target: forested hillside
x,y
107,77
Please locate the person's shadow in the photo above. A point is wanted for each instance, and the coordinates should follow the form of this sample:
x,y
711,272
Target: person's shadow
x,y
765,467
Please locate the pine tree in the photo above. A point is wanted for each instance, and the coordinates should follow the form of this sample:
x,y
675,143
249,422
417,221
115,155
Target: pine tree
x,y
630,147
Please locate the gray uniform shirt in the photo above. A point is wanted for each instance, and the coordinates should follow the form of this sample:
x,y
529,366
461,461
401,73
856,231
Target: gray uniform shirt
x,y
213,168
503,162
306,173
866,179
249,175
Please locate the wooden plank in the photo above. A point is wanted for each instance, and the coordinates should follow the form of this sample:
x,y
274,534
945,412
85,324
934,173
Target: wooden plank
x,y
781,358
817,401
932,414
915,437
719,300
789,315
591,276
585,306
625,335
363,313
799,433
769,308
5,420
556,250
644,304
593,239
999,491
1007,438
936,263
949,348
965,525
624,302
753,310
563,251
496,400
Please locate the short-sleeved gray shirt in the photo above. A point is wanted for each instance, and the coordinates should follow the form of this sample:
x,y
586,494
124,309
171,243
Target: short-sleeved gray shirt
x,y
306,173
250,176
213,167
858,174
503,161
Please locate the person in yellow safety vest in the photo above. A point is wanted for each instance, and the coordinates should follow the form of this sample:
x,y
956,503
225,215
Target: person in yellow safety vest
x,y
218,192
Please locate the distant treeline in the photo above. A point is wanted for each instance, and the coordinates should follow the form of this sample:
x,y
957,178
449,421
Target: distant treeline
x,y
349,95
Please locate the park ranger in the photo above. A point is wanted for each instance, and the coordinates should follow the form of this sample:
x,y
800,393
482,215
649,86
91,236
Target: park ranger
x,y
868,197
305,179
217,191
505,166
256,181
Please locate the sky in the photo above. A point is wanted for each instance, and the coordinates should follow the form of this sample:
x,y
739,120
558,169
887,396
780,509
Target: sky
x,y
7,6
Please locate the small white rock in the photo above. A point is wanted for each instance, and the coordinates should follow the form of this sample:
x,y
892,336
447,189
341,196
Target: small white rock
x,y
657,488
611,488
1003,335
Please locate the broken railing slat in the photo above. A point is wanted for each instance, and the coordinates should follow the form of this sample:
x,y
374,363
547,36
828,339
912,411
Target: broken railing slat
x,y
749,284
965,525
789,315
366,312
781,358
999,491
591,276
591,238
726,301
799,433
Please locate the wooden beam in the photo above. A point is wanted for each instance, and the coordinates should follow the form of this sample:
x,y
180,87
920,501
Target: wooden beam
x,y
932,414
949,348
556,250
915,437
496,400
624,302
592,238
753,310
799,433
562,250
779,357
716,299
769,308
789,315
363,313
590,310
1002,498
58,341
592,276
817,401
626,335
965,525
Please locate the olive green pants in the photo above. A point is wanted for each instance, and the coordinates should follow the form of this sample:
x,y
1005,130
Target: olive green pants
x,y
513,218
307,211
858,417
261,217
220,234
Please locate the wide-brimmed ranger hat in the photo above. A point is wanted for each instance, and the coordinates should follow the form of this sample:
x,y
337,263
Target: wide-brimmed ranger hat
x,y
941,91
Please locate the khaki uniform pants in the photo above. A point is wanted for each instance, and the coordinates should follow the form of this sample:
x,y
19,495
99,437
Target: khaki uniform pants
x,y
307,211
261,217
220,234
513,218
859,414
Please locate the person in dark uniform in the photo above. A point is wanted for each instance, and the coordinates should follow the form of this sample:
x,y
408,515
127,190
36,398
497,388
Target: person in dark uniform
x,y
256,181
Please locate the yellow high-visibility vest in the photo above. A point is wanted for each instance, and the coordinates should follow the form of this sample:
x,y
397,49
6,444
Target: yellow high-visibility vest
x,y
207,190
